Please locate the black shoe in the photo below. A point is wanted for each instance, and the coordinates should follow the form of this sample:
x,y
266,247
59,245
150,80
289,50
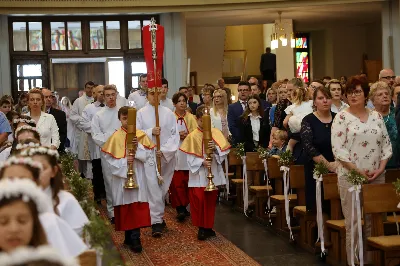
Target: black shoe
x,y
181,217
163,225
128,240
201,235
187,214
136,245
209,232
156,230
112,220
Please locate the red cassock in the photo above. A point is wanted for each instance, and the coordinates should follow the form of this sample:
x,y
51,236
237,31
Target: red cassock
x,y
202,206
179,193
153,75
132,216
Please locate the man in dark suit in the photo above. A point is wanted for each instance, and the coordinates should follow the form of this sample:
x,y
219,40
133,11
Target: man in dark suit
x,y
235,110
192,105
268,66
255,90
59,116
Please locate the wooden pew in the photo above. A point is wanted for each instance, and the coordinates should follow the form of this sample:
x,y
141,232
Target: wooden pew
x,y
335,225
237,182
391,175
278,200
88,258
255,166
306,220
379,199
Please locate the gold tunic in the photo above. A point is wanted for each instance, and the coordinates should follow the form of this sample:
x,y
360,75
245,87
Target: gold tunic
x,y
193,143
189,120
116,144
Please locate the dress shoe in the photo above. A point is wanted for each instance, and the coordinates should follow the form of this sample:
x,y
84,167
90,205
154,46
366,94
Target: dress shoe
x,y
136,245
112,220
201,235
209,232
156,230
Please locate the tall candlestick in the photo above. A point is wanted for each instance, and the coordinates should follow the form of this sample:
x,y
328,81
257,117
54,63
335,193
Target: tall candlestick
x,y
207,137
188,72
131,126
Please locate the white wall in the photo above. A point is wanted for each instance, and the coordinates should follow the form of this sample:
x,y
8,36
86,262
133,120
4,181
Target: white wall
x,y
5,75
338,51
205,48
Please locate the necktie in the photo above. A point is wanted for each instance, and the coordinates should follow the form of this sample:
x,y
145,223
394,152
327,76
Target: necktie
x,y
102,105
243,105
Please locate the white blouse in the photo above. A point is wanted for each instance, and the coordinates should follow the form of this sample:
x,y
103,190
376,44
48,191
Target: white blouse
x,y
364,144
48,130
255,126
342,106
216,121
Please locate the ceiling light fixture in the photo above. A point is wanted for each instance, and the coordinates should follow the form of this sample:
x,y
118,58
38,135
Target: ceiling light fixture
x,y
279,34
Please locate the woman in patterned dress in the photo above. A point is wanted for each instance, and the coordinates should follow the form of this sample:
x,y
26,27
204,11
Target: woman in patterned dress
x,y
360,142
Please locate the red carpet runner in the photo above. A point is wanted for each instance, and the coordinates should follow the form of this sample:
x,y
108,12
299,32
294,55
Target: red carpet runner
x,y
179,246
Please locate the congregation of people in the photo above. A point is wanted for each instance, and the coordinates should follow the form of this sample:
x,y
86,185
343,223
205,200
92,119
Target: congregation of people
x,y
345,123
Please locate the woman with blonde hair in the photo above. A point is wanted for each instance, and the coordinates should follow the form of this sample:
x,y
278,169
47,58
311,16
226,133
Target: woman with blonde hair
x,y
219,112
45,123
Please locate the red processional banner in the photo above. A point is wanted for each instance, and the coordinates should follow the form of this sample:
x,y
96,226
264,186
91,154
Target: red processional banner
x,y
154,76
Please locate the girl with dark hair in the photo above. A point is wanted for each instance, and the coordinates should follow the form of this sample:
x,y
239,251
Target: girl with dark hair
x,y
21,202
51,180
255,125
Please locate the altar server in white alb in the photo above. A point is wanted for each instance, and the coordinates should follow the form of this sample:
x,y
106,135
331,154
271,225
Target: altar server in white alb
x,y
104,124
169,144
139,96
79,144
131,208
51,181
87,114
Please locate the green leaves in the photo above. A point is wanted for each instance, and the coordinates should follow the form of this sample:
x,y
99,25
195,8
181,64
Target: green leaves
x,y
397,186
263,153
320,169
355,178
240,151
286,158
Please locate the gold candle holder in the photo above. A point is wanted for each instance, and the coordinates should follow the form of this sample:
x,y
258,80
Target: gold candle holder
x,y
207,137
131,134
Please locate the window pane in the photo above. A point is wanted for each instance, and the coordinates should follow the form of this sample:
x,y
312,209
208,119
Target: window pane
x,y
301,42
19,36
147,22
35,36
135,82
57,35
134,34
23,85
29,70
116,75
302,68
113,35
96,35
138,67
74,36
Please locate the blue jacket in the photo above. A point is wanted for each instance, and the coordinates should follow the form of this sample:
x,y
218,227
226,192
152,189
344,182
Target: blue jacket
x,y
235,110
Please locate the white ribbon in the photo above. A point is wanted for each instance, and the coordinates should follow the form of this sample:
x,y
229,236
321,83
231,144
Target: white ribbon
x,y
159,177
355,190
268,183
320,221
245,187
227,178
286,171
395,219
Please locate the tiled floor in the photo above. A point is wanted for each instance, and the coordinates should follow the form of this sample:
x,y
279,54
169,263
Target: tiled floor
x,y
259,243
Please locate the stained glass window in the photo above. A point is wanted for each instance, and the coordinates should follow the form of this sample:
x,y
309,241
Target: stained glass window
x,y
74,36
302,66
96,35
35,36
57,35
302,42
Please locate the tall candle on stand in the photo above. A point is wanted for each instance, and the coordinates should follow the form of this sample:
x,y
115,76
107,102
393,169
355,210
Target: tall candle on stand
x,y
188,72
131,127
206,130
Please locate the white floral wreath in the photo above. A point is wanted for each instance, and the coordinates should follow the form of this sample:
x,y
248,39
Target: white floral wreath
x,y
27,145
21,160
23,255
26,128
40,150
24,120
16,187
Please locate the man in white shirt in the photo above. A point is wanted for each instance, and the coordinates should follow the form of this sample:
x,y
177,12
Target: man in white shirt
x,y
139,96
80,145
169,140
88,113
164,100
104,124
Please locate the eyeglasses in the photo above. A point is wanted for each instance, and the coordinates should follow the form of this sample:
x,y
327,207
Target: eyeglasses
x,y
389,77
355,92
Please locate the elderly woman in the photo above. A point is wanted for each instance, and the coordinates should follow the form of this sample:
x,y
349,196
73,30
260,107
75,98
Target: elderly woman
x,y
360,142
336,89
380,95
